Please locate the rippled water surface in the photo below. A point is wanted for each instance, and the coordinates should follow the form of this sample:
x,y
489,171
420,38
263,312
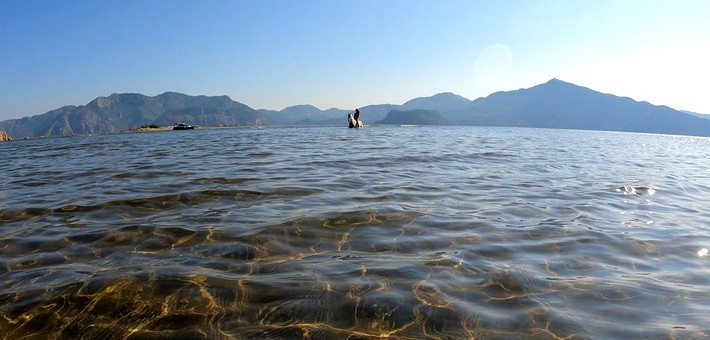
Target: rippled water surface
x,y
406,232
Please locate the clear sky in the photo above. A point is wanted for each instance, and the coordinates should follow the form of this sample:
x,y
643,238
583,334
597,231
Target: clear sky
x,y
272,54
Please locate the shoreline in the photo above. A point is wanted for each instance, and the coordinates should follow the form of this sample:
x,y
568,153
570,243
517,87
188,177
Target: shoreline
x,y
168,128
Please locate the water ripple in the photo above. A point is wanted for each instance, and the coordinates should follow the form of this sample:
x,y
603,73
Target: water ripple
x,y
333,233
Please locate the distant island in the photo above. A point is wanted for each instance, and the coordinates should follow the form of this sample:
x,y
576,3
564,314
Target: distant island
x,y
554,104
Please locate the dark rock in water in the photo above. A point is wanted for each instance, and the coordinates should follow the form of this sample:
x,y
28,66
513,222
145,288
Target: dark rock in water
x,y
4,136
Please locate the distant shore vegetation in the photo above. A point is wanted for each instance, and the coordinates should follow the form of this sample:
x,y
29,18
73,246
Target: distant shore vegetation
x,y
147,127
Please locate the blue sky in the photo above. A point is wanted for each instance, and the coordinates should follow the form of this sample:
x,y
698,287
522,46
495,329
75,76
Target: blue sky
x,y
272,54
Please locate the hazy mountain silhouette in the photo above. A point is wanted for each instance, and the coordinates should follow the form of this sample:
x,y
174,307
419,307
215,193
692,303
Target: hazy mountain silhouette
x,y
130,110
446,101
554,104
305,115
415,117
701,115
557,104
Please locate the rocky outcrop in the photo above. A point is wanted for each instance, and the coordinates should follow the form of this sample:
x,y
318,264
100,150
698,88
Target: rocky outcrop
x,y
4,136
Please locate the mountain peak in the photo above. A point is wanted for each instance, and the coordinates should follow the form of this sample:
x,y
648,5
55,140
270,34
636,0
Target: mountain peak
x,y
172,94
443,100
104,102
556,81
446,94
556,84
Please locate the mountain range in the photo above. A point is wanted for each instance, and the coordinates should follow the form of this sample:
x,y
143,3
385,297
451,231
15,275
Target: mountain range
x,y
415,117
554,104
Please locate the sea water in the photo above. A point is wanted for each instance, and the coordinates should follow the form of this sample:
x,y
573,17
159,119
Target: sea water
x,y
329,232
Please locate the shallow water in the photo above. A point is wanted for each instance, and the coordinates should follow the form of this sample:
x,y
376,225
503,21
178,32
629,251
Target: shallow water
x,y
406,232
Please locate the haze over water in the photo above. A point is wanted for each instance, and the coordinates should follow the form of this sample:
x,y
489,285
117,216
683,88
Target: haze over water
x,y
407,232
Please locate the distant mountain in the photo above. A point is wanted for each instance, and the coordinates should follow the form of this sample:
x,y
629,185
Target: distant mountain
x,y
373,113
305,115
443,101
555,104
130,110
414,117
558,104
701,115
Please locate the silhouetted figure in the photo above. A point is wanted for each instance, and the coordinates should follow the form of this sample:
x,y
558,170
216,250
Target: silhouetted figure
x,y
354,121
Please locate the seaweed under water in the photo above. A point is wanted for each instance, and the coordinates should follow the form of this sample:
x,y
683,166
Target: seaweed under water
x,y
429,232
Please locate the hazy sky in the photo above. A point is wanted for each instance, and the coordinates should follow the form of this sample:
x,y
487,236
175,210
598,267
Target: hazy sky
x,y
346,54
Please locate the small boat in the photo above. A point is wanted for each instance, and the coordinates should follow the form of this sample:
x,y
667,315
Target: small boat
x,y
182,126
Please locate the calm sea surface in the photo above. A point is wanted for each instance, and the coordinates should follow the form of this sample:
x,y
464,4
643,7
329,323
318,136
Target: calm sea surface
x,y
406,232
